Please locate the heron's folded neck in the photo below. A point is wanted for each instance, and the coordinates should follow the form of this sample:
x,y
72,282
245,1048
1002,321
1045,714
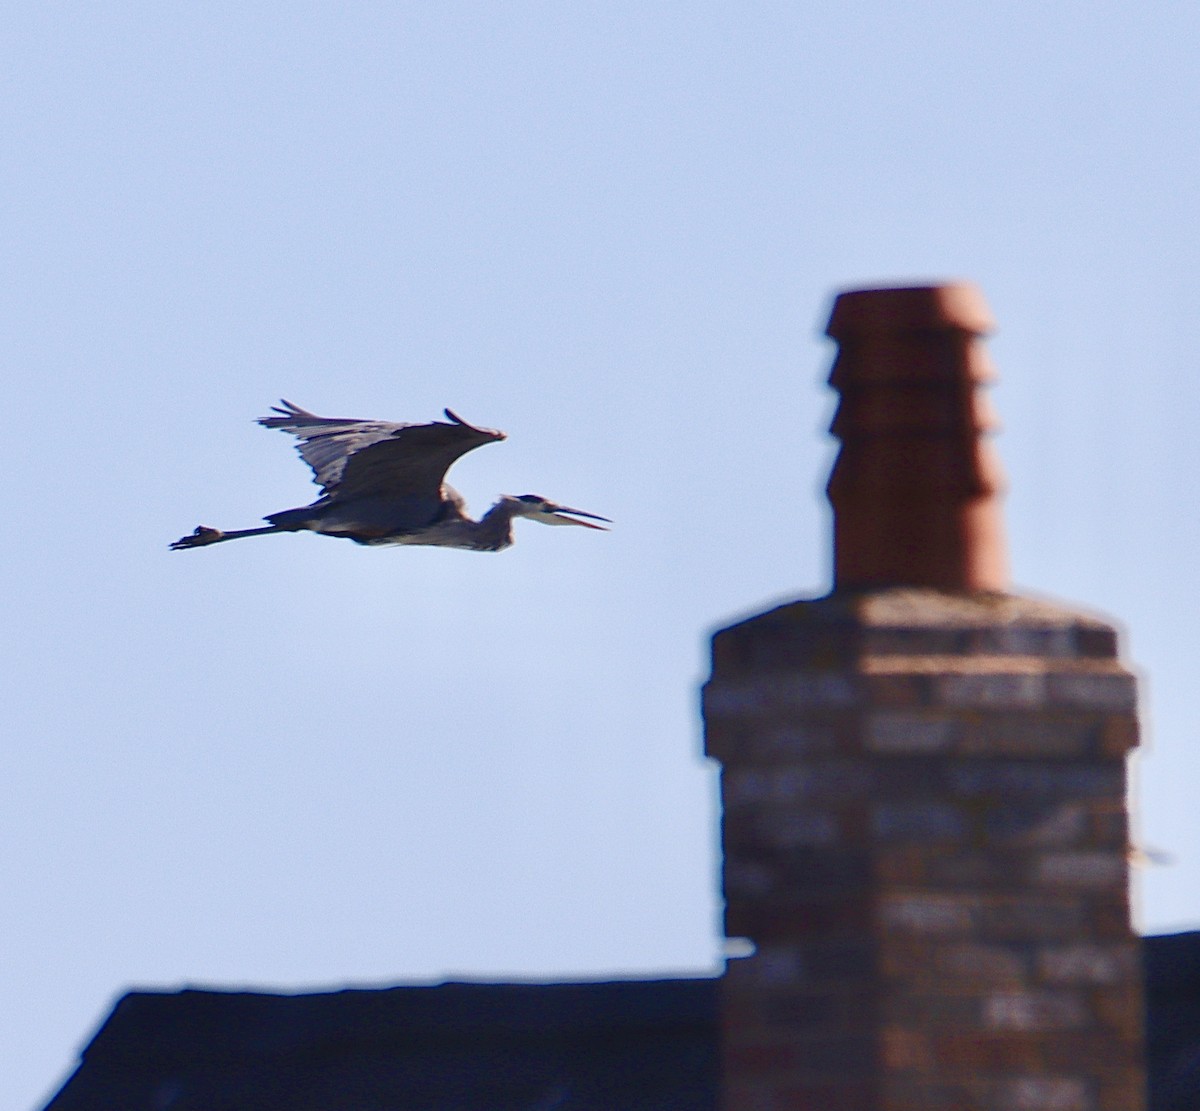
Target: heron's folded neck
x,y
493,530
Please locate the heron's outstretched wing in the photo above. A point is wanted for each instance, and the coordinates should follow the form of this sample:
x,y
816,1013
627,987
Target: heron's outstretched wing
x,y
359,458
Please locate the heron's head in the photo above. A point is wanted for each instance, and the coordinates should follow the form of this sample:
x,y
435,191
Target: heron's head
x,y
537,508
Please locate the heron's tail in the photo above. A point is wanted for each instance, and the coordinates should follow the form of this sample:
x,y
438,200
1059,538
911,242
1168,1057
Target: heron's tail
x,y
291,520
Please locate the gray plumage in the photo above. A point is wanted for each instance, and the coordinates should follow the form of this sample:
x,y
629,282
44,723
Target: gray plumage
x,y
384,483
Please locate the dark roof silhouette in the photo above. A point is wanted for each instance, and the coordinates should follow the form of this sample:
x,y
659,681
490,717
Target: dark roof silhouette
x,y
636,1045
618,1046
1172,968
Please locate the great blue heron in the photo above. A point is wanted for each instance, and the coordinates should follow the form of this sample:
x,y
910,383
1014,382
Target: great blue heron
x,y
385,483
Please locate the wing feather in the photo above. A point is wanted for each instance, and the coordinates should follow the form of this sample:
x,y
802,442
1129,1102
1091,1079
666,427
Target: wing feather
x,y
360,458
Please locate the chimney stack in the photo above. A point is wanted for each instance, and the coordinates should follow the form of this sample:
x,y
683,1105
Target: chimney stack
x,y
925,833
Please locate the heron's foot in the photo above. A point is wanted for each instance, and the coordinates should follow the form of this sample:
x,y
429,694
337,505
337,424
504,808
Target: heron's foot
x,y
203,535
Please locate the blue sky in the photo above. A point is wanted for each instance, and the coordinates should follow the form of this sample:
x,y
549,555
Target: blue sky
x,y
614,231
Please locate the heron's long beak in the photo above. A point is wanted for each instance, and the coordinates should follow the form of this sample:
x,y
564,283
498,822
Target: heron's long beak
x,y
551,516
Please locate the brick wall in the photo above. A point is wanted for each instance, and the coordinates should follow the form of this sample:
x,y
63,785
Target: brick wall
x,y
925,836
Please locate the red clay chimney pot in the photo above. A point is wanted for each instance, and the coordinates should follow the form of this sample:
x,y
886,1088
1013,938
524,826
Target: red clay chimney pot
x,y
915,489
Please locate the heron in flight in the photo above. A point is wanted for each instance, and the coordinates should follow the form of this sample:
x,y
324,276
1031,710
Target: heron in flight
x,y
385,483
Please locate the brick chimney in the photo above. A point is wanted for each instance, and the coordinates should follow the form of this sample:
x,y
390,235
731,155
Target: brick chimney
x,y
924,779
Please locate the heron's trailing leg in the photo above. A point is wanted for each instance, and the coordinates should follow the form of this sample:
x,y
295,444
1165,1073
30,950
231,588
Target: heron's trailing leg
x,y
205,535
